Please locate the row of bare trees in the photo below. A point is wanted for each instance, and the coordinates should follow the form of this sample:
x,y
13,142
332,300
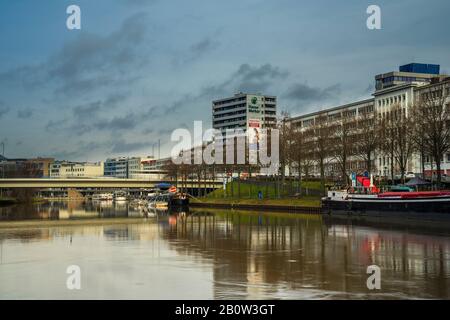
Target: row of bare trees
x,y
337,142
338,139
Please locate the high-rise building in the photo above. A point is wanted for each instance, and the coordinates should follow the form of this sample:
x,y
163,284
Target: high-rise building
x,y
244,111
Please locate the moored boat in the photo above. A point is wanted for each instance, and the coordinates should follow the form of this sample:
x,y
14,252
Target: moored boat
x,y
102,196
364,198
120,196
430,204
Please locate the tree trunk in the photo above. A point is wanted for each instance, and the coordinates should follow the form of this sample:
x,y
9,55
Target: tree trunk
x,y
322,176
438,172
422,163
239,184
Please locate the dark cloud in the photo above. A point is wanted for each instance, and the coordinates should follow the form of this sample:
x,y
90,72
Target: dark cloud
x,y
25,113
203,46
247,78
56,125
90,110
250,73
139,2
79,151
258,79
87,111
128,121
121,146
90,62
3,109
304,93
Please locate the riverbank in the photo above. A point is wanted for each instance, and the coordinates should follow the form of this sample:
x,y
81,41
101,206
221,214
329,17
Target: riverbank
x,y
8,201
5,201
302,205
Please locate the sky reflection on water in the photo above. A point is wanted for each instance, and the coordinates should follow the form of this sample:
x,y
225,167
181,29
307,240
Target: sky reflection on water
x,y
214,255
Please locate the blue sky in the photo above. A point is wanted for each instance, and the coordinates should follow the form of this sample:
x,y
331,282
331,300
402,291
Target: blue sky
x,y
139,69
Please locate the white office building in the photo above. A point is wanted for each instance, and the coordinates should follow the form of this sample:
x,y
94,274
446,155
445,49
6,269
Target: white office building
x,y
67,169
397,88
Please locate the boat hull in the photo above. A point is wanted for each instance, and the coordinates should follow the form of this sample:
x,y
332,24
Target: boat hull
x,y
433,208
179,202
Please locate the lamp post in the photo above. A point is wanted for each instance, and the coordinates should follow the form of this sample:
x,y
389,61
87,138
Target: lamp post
x,y
3,167
159,152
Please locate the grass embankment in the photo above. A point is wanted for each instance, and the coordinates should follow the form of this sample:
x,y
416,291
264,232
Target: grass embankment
x,y
247,193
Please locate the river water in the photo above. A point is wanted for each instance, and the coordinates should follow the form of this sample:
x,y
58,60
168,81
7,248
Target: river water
x,y
124,253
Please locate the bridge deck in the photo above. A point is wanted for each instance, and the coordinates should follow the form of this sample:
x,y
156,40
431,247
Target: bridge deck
x,y
94,183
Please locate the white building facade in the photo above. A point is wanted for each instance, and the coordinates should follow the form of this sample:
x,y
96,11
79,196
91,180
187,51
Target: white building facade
x,y
66,169
394,89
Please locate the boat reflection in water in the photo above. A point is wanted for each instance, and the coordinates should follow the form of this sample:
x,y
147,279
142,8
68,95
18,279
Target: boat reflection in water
x,y
219,254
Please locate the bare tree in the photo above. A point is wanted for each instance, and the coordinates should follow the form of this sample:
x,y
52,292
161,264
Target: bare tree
x,y
321,145
300,154
432,113
403,130
342,134
367,140
386,132
284,128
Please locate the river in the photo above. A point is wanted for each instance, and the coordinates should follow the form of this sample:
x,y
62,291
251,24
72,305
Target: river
x,y
123,253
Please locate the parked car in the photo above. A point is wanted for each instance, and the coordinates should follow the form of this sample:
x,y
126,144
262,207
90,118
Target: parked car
x,y
410,175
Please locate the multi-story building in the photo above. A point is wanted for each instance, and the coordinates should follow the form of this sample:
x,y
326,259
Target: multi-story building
x,y
413,73
333,116
397,89
135,168
122,167
41,166
36,167
244,111
67,169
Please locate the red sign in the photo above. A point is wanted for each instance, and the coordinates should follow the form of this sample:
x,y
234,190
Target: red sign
x,y
254,123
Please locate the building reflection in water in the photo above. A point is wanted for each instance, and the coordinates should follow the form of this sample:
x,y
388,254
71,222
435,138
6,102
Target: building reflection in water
x,y
262,255
257,256
60,210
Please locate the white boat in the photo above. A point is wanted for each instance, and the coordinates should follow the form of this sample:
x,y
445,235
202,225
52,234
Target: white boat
x,y
102,196
120,196
159,202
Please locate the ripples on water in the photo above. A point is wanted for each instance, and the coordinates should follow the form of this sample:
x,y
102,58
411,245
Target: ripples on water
x,y
214,255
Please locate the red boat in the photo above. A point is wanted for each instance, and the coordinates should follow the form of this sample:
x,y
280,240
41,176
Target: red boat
x,y
369,201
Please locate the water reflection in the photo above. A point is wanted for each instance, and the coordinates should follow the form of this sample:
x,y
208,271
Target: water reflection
x,y
222,254
60,210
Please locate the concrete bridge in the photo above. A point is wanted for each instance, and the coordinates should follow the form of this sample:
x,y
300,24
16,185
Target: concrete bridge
x,y
97,183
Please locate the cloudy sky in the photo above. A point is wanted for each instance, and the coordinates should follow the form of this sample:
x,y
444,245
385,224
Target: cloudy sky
x,y
139,69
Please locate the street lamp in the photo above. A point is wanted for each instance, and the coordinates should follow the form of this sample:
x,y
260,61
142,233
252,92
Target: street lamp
x,y
3,167
159,153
